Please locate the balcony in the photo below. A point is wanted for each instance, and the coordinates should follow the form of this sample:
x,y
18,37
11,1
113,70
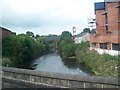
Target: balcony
x,y
104,13
118,6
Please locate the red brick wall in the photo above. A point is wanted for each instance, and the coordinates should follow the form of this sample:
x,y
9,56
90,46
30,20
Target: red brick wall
x,y
5,33
100,22
113,25
112,16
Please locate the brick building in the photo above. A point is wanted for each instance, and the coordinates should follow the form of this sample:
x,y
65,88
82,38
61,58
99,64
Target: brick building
x,y
5,33
107,37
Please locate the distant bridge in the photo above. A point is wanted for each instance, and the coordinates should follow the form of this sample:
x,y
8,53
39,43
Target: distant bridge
x,y
22,78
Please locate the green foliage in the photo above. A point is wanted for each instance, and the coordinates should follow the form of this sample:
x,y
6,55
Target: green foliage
x,y
68,50
21,48
67,47
6,62
93,31
30,33
66,34
37,36
101,65
86,30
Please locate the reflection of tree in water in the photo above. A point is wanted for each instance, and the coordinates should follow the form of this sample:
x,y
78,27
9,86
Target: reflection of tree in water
x,y
85,68
70,63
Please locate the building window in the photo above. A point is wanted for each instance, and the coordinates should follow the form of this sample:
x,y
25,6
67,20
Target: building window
x,y
115,46
103,45
118,21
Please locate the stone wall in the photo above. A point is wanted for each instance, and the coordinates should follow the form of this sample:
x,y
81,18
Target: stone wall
x,y
17,78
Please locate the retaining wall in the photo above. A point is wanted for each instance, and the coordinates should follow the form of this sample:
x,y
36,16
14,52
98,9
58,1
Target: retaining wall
x,y
17,78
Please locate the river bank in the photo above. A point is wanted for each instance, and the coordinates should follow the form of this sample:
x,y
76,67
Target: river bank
x,y
100,65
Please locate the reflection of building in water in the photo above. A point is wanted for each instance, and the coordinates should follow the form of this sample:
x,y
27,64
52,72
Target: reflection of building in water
x,y
106,39
5,33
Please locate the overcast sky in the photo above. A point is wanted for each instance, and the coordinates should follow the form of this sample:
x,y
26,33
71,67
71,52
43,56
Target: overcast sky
x,y
45,17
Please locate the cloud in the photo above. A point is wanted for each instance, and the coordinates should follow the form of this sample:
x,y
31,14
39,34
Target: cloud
x,y
49,16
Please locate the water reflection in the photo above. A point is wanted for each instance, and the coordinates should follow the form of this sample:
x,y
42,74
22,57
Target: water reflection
x,y
70,63
54,63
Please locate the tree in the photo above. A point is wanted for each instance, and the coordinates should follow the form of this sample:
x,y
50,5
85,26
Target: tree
x,y
86,30
65,34
93,31
68,50
67,47
30,33
21,48
37,36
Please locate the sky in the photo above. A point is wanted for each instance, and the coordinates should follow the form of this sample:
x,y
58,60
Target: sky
x,y
46,17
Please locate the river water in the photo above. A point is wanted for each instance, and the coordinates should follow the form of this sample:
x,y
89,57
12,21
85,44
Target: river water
x,y
54,63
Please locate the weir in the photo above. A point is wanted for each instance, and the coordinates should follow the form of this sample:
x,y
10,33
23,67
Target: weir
x,y
23,78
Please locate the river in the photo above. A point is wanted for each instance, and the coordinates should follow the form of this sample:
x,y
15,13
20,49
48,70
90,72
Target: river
x,y
54,63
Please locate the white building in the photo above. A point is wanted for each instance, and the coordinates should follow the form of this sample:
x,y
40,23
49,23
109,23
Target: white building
x,y
82,37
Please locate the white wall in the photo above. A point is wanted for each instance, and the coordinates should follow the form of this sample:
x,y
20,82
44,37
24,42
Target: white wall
x,y
84,38
110,52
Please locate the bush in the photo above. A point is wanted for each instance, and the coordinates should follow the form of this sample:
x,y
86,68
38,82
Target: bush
x,y
101,65
21,48
67,48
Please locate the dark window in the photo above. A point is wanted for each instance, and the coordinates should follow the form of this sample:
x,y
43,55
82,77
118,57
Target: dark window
x,y
106,21
116,47
103,45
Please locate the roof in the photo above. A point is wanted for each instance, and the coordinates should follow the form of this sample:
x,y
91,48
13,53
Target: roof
x,y
82,34
99,6
1,28
5,29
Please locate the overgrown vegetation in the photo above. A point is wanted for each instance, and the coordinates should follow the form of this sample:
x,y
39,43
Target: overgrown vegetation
x,y
100,65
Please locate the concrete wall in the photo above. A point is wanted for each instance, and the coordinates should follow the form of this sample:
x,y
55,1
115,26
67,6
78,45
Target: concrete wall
x,y
83,38
105,51
17,78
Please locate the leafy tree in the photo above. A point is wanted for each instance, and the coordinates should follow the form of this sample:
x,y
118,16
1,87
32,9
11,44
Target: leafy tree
x,y
86,30
30,33
66,34
21,48
37,36
67,47
68,50
93,31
